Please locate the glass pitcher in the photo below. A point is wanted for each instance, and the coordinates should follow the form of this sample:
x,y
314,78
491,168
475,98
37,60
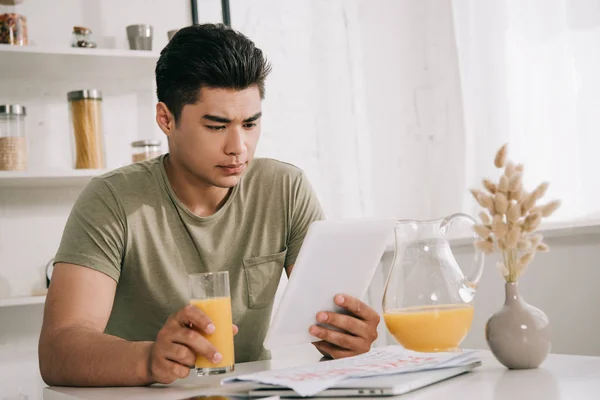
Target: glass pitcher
x,y
427,299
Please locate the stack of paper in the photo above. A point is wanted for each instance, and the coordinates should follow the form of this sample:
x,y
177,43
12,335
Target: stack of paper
x,y
311,379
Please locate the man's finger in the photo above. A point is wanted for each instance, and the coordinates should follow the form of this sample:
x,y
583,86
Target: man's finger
x,y
356,307
195,342
332,350
346,323
343,340
167,371
235,330
180,354
192,317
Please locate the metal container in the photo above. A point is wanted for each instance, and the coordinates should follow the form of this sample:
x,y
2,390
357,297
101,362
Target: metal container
x,y
86,126
172,33
13,138
144,150
140,37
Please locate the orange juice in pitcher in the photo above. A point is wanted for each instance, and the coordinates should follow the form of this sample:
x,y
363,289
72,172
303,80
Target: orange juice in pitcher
x,y
430,328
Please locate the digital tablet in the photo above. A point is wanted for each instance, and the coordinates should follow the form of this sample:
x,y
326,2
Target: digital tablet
x,y
337,256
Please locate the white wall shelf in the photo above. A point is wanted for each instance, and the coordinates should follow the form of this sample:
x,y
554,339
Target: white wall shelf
x,y
47,179
22,301
130,68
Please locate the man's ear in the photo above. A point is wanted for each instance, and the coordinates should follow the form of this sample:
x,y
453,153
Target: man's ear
x,y
164,119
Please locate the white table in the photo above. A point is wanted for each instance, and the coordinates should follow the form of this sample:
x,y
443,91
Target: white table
x,y
559,377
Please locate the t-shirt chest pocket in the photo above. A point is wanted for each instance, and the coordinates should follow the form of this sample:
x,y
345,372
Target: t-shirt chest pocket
x,y
262,278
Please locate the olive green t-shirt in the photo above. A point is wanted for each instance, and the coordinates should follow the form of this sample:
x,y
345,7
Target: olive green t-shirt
x,y
129,225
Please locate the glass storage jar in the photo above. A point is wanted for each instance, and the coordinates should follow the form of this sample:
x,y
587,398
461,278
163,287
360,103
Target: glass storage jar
x,y
82,37
13,26
86,125
13,138
143,150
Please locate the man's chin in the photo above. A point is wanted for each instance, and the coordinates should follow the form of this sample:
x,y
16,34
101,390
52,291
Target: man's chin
x,y
226,183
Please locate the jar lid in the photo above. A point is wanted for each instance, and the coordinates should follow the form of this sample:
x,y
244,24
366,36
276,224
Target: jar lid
x,y
12,109
144,143
84,94
82,30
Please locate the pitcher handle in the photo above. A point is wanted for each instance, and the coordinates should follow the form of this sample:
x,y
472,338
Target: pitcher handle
x,y
474,274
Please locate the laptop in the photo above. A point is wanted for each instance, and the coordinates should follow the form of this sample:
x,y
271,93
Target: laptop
x,y
376,386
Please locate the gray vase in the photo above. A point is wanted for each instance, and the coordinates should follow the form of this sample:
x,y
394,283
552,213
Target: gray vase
x,y
519,334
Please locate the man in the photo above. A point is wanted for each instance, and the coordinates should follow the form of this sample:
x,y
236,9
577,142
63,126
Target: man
x,y
116,310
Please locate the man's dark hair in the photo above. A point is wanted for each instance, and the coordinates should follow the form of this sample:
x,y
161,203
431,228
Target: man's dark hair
x,y
207,56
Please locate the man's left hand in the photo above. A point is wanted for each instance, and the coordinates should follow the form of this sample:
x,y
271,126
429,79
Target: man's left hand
x,y
359,330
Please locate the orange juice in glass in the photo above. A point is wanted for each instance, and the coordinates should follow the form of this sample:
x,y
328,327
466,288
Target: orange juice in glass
x,y
210,293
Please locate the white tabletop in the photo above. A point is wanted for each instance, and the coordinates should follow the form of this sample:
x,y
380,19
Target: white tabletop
x,y
559,377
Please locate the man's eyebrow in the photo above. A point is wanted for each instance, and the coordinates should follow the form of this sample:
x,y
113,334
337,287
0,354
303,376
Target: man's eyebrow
x,y
254,117
216,118
223,120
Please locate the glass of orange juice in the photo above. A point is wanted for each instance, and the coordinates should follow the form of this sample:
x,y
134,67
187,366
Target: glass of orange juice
x,y
210,293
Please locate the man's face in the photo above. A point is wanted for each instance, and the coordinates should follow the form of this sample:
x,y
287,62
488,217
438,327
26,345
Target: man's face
x,y
215,138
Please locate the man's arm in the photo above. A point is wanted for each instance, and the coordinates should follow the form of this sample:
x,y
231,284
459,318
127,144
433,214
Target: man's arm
x,y
73,349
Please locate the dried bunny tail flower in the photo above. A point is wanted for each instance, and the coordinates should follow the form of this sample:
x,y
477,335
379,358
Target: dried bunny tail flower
x,y
501,244
500,159
516,195
543,247
514,184
485,246
503,270
526,258
503,184
512,237
527,203
475,193
485,218
514,213
524,245
519,168
499,228
536,239
549,208
490,186
540,191
500,203
510,169
482,231
486,201
532,222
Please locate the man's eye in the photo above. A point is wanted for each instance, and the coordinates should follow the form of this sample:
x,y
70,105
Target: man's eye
x,y
216,127
250,125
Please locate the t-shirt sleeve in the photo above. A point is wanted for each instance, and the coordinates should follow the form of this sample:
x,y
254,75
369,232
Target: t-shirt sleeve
x,y
305,210
95,232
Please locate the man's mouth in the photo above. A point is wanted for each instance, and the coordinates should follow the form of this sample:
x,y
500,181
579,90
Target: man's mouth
x,y
232,169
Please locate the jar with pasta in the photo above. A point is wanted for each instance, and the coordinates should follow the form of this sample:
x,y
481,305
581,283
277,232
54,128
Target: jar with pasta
x,y
13,139
85,108
143,150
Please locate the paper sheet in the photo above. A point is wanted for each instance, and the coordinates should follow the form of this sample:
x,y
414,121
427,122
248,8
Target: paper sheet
x,y
311,379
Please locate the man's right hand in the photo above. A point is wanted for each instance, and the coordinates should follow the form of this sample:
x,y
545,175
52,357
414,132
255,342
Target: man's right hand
x,y
178,343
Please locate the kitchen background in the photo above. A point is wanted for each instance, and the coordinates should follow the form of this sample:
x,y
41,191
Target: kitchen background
x,y
392,107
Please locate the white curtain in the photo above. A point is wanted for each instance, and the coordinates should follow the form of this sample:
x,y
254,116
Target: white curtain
x,y
529,75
